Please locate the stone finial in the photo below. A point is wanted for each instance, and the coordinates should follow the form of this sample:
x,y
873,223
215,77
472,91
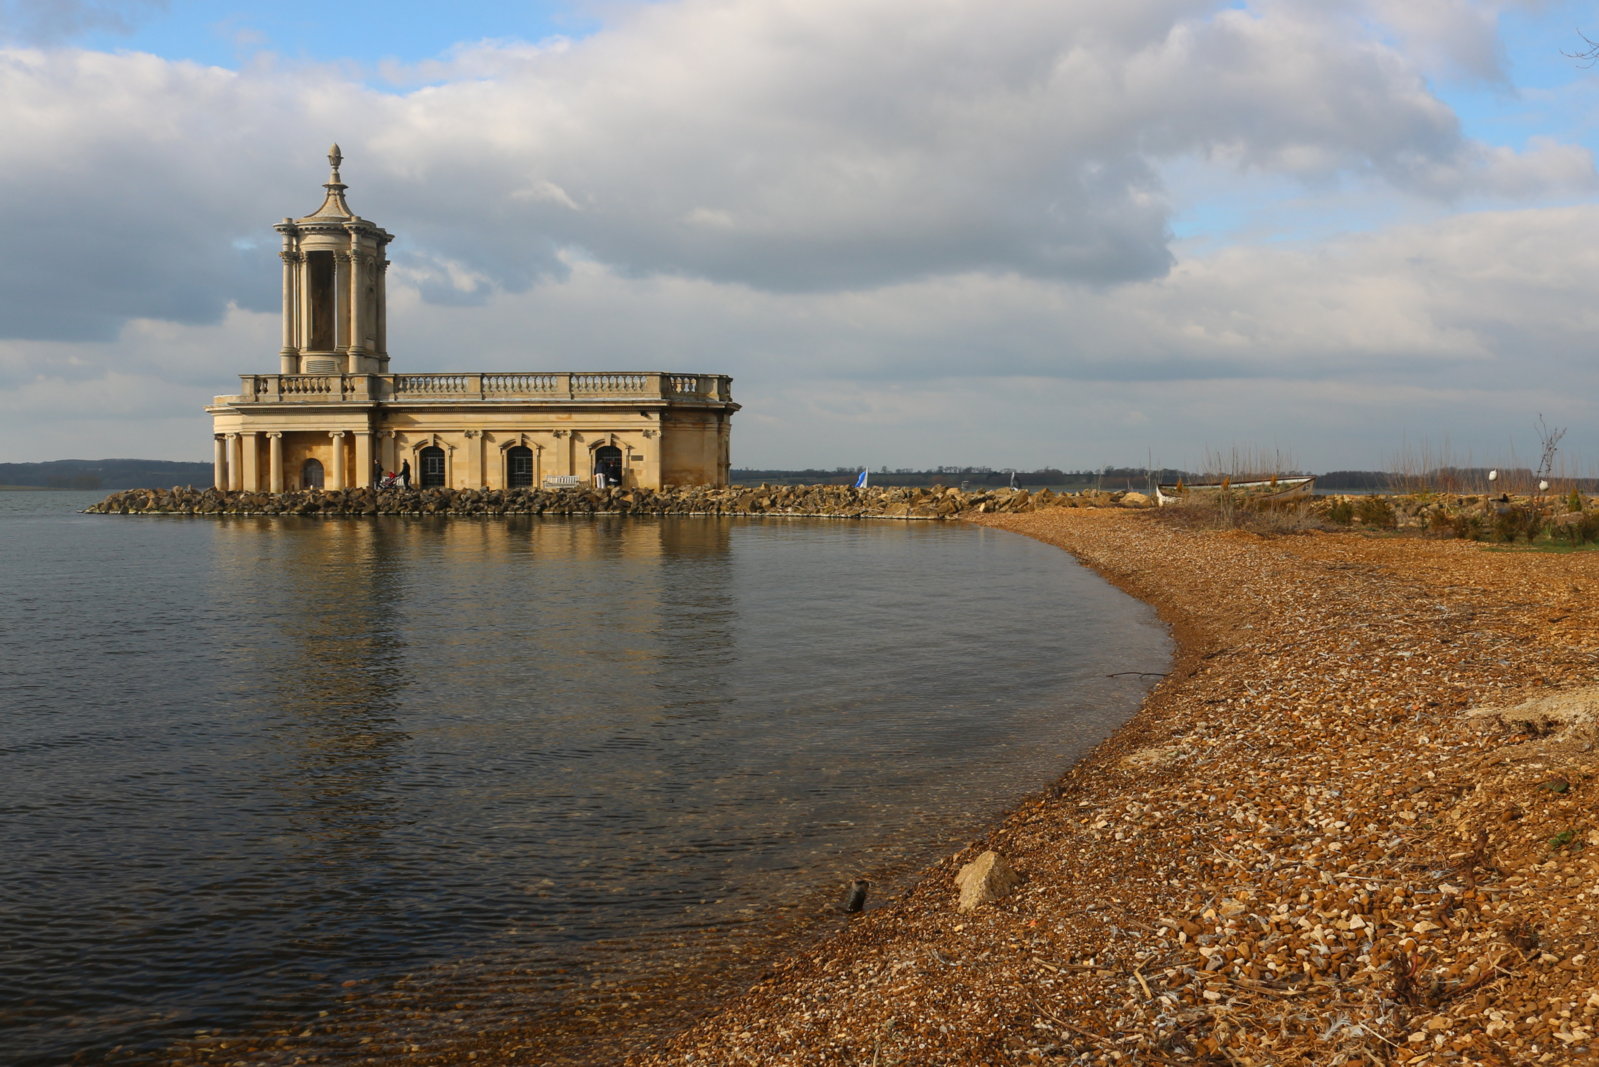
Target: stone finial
x,y
333,203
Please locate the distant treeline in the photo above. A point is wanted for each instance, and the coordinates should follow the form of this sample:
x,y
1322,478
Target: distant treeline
x,y
1443,479
106,474
110,474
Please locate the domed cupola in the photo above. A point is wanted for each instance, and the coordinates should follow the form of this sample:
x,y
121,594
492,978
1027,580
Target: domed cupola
x,y
334,298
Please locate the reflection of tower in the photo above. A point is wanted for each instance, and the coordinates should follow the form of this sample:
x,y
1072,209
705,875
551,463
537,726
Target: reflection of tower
x,y
334,295
339,670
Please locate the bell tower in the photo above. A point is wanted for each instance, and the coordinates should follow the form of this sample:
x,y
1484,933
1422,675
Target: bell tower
x,y
335,305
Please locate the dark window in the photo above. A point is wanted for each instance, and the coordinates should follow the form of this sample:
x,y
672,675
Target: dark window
x,y
311,474
432,461
319,278
608,461
519,467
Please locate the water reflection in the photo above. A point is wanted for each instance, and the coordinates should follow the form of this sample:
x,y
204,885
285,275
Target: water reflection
x,y
495,763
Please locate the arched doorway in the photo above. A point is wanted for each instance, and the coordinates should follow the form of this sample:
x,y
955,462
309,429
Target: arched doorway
x,y
311,474
431,460
519,467
608,461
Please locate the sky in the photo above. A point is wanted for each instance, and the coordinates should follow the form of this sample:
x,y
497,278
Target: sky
x,y
1344,234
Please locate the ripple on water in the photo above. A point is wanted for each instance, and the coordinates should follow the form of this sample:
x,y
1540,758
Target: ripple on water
x,y
435,778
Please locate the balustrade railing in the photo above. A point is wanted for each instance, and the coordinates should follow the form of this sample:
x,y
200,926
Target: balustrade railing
x,y
311,388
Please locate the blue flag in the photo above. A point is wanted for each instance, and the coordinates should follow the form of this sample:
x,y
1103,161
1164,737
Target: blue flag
x,y
860,482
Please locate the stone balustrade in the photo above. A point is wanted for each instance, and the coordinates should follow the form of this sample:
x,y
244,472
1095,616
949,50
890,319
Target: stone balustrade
x,y
534,386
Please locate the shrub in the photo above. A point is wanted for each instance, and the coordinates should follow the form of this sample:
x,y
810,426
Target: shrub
x,y
1516,521
1376,511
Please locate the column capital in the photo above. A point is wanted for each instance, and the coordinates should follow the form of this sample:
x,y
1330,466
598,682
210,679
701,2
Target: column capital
x,y
336,433
274,433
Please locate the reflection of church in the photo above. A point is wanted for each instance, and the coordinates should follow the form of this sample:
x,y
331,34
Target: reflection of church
x,y
333,416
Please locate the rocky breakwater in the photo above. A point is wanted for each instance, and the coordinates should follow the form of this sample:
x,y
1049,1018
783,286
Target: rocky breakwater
x,y
827,501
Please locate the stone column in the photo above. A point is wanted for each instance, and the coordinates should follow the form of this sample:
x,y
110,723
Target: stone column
x,y
275,462
250,450
235,465
336,475
386,450
363,459
357,294
474,459
288,356
219,460
341,301
382,313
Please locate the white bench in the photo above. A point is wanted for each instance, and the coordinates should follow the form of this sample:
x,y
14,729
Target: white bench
x,y
562,481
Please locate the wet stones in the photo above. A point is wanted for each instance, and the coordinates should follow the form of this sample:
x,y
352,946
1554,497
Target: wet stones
x,y
825,501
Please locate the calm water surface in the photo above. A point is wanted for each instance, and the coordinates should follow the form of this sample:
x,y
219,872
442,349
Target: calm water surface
x,y
319,778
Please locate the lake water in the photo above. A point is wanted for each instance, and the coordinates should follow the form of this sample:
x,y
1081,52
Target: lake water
x,y
352,788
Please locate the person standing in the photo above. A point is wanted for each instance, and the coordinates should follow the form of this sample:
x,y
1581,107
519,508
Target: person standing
x,y
405,475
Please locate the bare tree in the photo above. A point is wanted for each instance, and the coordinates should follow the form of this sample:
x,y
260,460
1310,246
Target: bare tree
x,y
1588,55
1550,440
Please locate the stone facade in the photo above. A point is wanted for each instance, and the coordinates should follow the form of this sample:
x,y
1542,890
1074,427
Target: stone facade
x,y
335,417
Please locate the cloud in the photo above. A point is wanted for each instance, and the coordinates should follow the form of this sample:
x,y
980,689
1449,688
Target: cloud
x,y
791,147
54,21
898,223
1464,328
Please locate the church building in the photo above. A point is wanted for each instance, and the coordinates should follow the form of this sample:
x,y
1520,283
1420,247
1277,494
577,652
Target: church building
x,y
334,416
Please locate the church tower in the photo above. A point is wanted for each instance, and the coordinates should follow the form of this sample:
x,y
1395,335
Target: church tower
x,y
335,417
334,301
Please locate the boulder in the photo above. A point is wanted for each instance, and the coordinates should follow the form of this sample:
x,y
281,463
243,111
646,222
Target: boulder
x,y
984,880
1134,500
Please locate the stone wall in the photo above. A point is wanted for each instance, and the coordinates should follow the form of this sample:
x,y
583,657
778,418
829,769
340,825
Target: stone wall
x,y
797,500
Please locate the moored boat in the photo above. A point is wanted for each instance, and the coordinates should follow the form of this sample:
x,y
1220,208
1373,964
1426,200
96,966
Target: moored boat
x,y
1272,489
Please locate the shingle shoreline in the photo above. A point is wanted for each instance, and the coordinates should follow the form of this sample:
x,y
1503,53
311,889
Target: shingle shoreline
x,y
1345,829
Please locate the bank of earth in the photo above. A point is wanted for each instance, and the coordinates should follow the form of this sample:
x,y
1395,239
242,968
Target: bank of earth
x,y
1356,824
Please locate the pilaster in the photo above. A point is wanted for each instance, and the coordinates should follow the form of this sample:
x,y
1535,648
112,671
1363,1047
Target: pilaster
x,y
249,449
363,473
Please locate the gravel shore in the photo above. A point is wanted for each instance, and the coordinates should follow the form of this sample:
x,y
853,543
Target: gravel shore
x,y
1355,824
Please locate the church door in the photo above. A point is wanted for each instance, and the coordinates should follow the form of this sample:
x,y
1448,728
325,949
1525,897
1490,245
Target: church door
x,y
519,467
608,461
432,461
311,474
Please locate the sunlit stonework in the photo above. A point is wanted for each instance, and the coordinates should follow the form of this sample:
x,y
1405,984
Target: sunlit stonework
x,y
335,417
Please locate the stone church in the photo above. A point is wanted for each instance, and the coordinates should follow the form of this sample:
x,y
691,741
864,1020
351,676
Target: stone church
x,y
334,416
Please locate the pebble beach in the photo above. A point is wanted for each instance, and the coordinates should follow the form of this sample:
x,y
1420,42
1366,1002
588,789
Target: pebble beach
x,y
1355,824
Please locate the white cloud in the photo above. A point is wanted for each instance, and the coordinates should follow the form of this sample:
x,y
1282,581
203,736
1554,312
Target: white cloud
x,y
894,220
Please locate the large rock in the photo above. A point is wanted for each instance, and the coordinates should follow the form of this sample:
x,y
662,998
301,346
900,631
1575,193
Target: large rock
x,y
986,879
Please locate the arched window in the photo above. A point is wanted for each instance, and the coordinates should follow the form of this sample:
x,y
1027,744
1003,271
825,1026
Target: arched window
x,y
519,467
311,474
608,461
431,460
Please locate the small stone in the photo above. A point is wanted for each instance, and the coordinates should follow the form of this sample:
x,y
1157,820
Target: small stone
x,y
986,879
